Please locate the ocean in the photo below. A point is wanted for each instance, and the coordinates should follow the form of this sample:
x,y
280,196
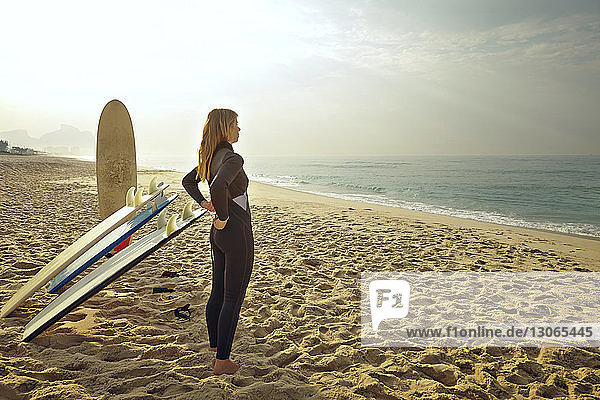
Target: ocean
x,y
555,193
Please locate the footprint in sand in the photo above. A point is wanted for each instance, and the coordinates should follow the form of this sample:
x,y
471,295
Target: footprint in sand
x,y
263,314
25,268
117,352
134,372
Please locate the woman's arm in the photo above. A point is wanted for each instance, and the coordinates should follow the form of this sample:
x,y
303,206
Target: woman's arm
x,y
190,184
231,166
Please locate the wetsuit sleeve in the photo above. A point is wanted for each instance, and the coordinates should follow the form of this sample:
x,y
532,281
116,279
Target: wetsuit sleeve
x,y
219,188
190,184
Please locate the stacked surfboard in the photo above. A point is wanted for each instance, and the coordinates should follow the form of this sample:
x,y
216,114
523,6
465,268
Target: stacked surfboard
x,y
113,267
111,236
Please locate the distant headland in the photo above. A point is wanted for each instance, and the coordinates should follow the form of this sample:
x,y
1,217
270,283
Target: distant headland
x,y
68,140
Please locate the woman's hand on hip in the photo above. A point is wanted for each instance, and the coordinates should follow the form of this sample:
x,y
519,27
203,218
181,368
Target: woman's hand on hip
x,y
219,224
208,205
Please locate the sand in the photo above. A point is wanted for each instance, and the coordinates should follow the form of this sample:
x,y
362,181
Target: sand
x,y
299,330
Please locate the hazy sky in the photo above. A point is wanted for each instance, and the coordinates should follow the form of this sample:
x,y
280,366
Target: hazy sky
x,y
312,77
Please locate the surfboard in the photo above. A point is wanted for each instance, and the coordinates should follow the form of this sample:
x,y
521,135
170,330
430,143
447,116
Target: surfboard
x,y
116,168
111,269
81,245
108,243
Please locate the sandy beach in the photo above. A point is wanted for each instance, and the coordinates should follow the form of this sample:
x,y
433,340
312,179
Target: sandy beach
x,y
299,331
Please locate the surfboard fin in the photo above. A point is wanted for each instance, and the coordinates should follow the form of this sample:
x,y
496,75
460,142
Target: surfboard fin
x,y
162,219
138,197
152,187
187,210
171,225
129,197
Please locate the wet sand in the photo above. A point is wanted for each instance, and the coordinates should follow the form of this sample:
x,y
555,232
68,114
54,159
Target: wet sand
x,y
299,330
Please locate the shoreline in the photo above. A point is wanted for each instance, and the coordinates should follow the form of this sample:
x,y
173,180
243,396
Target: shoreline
x,y
433,215
427,215
264,192
337,196
590,247
586,247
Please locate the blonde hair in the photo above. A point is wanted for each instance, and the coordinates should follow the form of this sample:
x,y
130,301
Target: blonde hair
x,y
215,131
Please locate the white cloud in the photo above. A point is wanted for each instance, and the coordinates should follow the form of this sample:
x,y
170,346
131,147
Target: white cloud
x,y
569,42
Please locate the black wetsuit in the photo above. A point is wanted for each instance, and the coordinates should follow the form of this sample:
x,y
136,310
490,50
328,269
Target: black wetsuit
x,y
232,247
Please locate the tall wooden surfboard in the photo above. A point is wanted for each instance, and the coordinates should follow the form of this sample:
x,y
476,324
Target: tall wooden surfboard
x,y
116,167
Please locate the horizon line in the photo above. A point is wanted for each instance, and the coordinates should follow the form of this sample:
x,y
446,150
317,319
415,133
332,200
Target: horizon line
x,y
362,155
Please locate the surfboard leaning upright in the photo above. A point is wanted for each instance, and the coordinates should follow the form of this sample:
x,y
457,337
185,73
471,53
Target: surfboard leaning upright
x,y
116,168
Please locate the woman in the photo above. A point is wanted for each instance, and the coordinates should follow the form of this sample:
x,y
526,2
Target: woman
x,y
231,239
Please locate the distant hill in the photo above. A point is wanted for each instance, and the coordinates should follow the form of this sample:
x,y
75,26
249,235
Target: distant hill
x,y
66,140
18,137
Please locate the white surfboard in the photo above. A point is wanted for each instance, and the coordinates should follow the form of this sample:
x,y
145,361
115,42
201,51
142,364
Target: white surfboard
x,y
71,253
108,243
110,270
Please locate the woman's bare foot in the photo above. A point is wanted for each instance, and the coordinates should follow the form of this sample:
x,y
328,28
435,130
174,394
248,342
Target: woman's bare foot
x,y
213,349
225,367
